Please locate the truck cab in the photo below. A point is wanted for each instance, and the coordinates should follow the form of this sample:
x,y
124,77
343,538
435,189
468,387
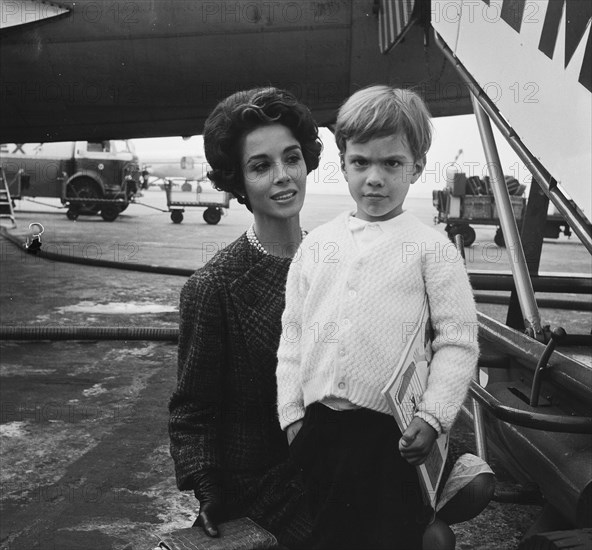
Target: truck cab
x,y
89,177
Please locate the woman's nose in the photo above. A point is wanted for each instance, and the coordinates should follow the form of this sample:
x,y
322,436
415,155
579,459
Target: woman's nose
x,y
280,173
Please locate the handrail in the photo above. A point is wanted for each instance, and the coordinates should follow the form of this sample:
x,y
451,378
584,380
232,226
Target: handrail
x,y
528,419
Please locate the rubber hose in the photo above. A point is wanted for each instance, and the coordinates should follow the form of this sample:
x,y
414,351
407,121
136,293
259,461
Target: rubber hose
x,y
147,268
88,333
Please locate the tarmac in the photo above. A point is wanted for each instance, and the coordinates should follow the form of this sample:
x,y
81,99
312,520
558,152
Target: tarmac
x,y
83,432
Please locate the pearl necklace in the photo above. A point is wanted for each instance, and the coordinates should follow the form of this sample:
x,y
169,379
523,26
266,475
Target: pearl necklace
x,y
256,244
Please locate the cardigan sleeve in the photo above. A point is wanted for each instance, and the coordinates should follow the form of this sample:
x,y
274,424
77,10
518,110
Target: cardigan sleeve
x,y
196,403
455,348
289,388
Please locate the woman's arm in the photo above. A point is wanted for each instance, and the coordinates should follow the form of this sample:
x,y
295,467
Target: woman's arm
x,y
195,406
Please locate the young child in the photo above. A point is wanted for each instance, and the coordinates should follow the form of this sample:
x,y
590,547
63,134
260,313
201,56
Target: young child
x,y
354,289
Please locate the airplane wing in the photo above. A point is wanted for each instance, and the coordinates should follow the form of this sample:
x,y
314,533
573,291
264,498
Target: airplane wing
x,y
125,69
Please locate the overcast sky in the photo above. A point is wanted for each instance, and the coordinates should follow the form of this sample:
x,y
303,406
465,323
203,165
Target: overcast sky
x,y
451,135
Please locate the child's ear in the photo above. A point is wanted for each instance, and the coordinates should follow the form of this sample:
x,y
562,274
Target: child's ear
x,y
418,167
342,163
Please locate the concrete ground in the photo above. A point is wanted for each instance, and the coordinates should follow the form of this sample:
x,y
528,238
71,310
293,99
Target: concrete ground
x,y
83,431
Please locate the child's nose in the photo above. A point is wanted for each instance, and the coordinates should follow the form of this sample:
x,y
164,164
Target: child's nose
x,y
375,177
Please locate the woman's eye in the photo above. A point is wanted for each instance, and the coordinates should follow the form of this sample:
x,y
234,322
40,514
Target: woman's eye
x,y
294,159
259,167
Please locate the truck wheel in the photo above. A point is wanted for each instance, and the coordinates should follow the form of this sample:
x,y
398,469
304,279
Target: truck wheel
x,y
212,215
84,188
177,216
499,238
577,539
110,212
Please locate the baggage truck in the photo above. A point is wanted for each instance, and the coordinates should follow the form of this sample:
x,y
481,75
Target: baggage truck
x,y
89,177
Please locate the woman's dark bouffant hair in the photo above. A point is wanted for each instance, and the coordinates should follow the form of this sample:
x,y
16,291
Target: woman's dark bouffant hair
x,y
243,112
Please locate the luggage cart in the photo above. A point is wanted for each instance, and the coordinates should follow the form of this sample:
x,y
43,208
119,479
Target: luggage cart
x,y
460,210
184,196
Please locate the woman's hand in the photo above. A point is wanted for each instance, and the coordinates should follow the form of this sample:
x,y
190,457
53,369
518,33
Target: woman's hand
x,y
417,441
292,430
208,490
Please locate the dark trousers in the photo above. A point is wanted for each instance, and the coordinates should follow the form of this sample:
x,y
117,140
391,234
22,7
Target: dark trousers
x,y
362,494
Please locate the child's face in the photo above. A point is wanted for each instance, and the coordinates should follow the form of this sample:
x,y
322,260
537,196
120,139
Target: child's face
x,y
379,173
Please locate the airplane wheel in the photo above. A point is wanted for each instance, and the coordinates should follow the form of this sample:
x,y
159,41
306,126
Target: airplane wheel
x,y
84,188
72,214
577,539
186,187
110,212
499,238
176,216
212,215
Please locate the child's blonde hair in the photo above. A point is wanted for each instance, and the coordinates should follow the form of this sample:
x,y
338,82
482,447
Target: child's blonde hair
x,y
380,111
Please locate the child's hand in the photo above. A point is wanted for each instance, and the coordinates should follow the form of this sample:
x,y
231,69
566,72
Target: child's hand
x,y
417,441
292,430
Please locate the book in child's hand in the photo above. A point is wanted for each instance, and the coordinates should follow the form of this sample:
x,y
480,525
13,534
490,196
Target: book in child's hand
x,y
404,391
237,534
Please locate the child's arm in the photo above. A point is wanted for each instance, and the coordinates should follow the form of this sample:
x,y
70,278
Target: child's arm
x,y
455,348
417,441
289,391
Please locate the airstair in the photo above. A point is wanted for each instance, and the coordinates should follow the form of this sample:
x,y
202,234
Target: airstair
x,y
6,209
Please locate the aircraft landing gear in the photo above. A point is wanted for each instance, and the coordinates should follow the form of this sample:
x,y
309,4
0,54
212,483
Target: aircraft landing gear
x,y
72,214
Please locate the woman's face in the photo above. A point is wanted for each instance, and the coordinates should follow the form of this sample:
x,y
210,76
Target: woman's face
x,y
274,171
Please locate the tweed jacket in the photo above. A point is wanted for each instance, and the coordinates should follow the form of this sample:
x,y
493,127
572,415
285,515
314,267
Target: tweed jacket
x,y
223,412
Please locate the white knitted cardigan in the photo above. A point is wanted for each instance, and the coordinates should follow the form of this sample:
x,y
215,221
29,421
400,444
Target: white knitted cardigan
x,y
348,313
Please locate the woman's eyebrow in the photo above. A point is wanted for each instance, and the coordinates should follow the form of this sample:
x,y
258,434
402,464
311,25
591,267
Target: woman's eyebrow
x,y
265,155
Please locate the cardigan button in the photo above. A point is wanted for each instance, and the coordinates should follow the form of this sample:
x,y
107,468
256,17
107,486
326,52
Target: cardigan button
x,y
249,298
341,385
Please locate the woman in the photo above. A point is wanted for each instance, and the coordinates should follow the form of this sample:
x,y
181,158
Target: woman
x,y
225,437
226,441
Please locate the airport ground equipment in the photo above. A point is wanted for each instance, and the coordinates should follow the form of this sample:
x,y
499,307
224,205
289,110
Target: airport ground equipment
x,y
88,177
465,202
6,210
184,196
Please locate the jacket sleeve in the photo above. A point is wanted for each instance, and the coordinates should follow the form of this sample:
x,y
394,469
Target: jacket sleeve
x,y
289,388
455,348
195,406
